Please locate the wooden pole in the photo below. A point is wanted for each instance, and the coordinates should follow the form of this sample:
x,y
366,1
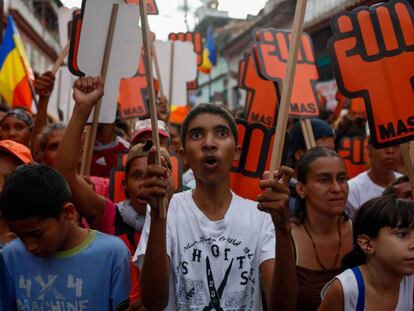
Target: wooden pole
x,y
61,58
304,127
92,129
59,91
408,163
172,58
281,125
411,143
311,136
151,93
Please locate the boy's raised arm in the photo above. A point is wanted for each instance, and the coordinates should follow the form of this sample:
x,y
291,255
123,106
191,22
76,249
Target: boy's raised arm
x,y
43,86
86,93
279,276
155,277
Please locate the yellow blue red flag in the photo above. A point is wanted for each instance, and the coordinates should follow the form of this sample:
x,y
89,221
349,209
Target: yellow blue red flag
x,y
209,53
15,72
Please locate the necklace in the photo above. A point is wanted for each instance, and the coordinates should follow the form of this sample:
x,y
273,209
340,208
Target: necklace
x,y
316,251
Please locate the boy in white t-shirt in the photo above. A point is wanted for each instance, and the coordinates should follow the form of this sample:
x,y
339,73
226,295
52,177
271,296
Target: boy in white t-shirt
x,y
371,183
216,249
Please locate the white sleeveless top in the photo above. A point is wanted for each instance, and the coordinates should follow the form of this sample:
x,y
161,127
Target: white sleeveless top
x,y
350,289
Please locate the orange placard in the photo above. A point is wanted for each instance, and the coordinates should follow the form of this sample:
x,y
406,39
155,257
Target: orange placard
x,y
242,66
357,108
116,186
197,40
342,103
353,151
152,8
373,57
133,93
262,100
178,114
270,49
256,141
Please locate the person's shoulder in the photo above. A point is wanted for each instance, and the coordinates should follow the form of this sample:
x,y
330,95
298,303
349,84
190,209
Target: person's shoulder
x,y
361,177
343,280
245,203
109,243
122,142
14,248
248,209
182,198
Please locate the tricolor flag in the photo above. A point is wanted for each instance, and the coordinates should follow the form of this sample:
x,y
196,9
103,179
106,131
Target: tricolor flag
x,y
15,71
209,53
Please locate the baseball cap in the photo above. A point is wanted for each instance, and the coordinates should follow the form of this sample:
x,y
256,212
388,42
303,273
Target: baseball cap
x,y
144,126
297,141
18,151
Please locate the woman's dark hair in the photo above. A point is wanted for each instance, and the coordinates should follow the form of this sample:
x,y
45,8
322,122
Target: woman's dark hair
x,y
46,131
389,190
384,211
302,170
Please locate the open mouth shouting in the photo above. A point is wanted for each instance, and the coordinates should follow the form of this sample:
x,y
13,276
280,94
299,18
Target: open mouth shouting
x,y
210,162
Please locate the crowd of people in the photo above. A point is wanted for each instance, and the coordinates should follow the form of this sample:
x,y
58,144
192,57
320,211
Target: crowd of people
x,y
312,240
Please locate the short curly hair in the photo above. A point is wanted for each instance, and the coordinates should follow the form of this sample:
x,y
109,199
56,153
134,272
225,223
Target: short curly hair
x,y
210,109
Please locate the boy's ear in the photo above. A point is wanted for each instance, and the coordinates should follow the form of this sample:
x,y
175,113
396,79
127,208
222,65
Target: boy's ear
x,y
68,212
366,244
300,190
238,153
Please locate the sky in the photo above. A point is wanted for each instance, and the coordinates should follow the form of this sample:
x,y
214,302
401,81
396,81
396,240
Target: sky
x,y
171,19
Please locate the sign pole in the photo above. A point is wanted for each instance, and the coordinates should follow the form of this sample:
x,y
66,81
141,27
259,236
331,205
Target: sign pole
x,y
59,61
91,130
281,125
151,91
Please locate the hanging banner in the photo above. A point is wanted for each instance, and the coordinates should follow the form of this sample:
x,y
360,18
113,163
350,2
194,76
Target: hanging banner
x,y
270,49
372,55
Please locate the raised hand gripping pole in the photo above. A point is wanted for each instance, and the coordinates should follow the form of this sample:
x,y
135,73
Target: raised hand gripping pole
x,y
91,130
281,125
151,93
